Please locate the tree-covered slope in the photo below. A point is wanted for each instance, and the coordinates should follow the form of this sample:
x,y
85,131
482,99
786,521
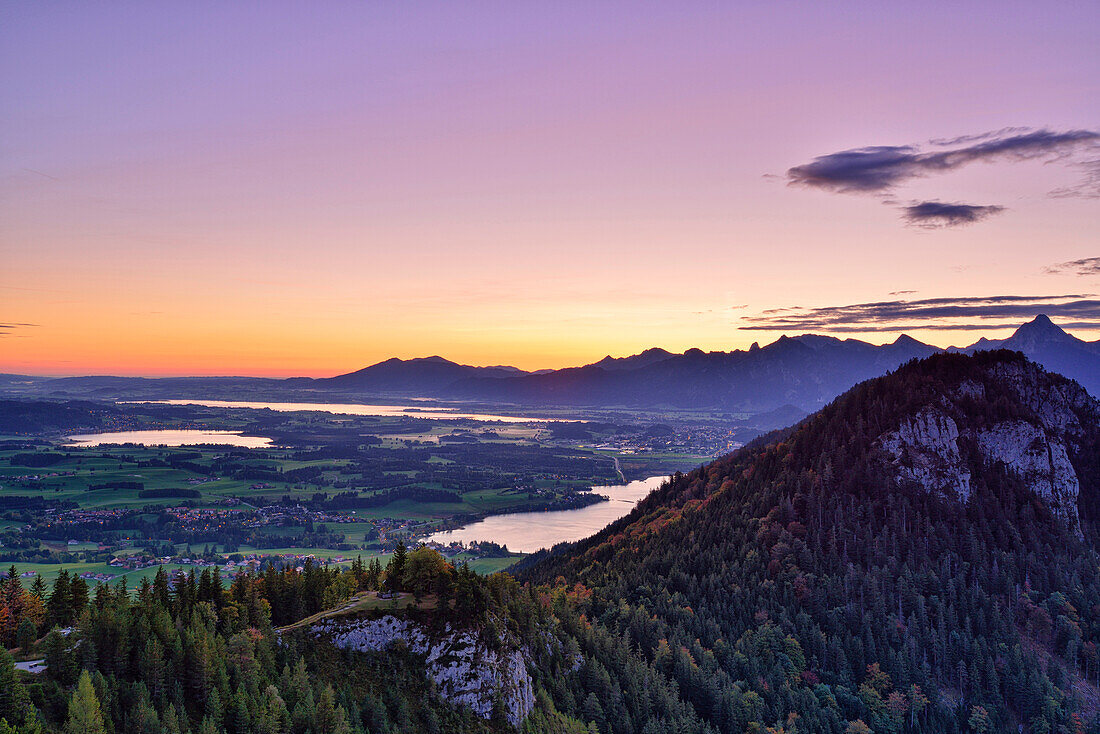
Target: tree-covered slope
x,y
822,580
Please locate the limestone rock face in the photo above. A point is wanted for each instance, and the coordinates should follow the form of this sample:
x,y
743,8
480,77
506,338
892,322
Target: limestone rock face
x,y
926,451
940,446
466,671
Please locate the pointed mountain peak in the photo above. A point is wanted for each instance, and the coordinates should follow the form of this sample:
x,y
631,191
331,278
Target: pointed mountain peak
x,y
1041,322
1041,327
906,340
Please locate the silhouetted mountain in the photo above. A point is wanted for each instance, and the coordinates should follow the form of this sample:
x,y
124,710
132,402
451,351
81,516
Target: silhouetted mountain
x,y
804,371
425,376
646,358
1042,341
909,557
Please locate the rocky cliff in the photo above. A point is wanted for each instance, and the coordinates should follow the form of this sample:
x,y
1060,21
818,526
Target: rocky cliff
x,y
1041,440
467,672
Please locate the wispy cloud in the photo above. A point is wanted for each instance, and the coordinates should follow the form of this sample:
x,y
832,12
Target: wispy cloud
x,y
1085,266
938,214
8,328
878,169
942,314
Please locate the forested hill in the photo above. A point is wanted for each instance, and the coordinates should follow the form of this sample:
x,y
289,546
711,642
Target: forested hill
x,y
920,555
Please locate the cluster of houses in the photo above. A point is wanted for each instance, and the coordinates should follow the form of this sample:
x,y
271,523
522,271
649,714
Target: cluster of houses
x,y
699,440
299,515
90,517
40,477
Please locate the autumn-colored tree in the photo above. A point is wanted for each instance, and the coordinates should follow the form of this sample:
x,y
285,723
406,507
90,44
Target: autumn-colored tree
x,y
897,706
979,720
917,703
34,610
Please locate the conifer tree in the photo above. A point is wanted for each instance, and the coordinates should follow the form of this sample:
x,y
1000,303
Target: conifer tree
x,y
84,714
395,570
14,703
78,597
25,635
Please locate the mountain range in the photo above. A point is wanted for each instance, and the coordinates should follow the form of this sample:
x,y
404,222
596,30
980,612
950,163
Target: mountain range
x,y
805,372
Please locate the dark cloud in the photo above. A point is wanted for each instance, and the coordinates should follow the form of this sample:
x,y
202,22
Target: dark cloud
x,y
979,312
1085,266
872,169
925,326
937,214
6,329
878,169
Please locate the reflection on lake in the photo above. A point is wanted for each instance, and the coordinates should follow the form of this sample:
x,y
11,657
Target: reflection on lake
x,y
527,532
408,411
170,438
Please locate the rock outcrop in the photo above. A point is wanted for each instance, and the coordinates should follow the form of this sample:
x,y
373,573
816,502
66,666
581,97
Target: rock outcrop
x,y
939,447
467,672
925,450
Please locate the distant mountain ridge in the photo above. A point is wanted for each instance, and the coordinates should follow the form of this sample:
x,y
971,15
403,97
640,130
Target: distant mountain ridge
x,y
422,375
804,371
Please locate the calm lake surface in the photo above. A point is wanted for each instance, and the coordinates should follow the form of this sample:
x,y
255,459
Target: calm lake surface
x,y
528,532
170,438
410,411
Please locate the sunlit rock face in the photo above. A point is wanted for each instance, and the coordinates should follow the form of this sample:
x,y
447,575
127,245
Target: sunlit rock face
x,y
466,672
941,446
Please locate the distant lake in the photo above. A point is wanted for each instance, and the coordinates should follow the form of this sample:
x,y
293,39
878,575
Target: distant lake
x,y
528,532
170,438
408,411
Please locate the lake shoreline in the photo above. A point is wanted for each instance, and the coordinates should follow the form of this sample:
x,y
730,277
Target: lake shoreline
x,y
528,532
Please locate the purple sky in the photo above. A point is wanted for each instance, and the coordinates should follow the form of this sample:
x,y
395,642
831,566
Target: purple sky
x,y
295,188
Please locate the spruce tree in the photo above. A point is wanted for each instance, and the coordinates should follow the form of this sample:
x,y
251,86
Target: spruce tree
x,y
59,605
14,703
395,570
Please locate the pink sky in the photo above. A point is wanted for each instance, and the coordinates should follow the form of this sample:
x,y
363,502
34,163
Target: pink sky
x,y
271,189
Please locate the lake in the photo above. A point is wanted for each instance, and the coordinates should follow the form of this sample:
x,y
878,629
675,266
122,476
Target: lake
x,y
170,438
527,532
408,411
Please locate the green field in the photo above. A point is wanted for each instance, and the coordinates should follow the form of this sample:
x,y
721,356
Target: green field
x,y
394,455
